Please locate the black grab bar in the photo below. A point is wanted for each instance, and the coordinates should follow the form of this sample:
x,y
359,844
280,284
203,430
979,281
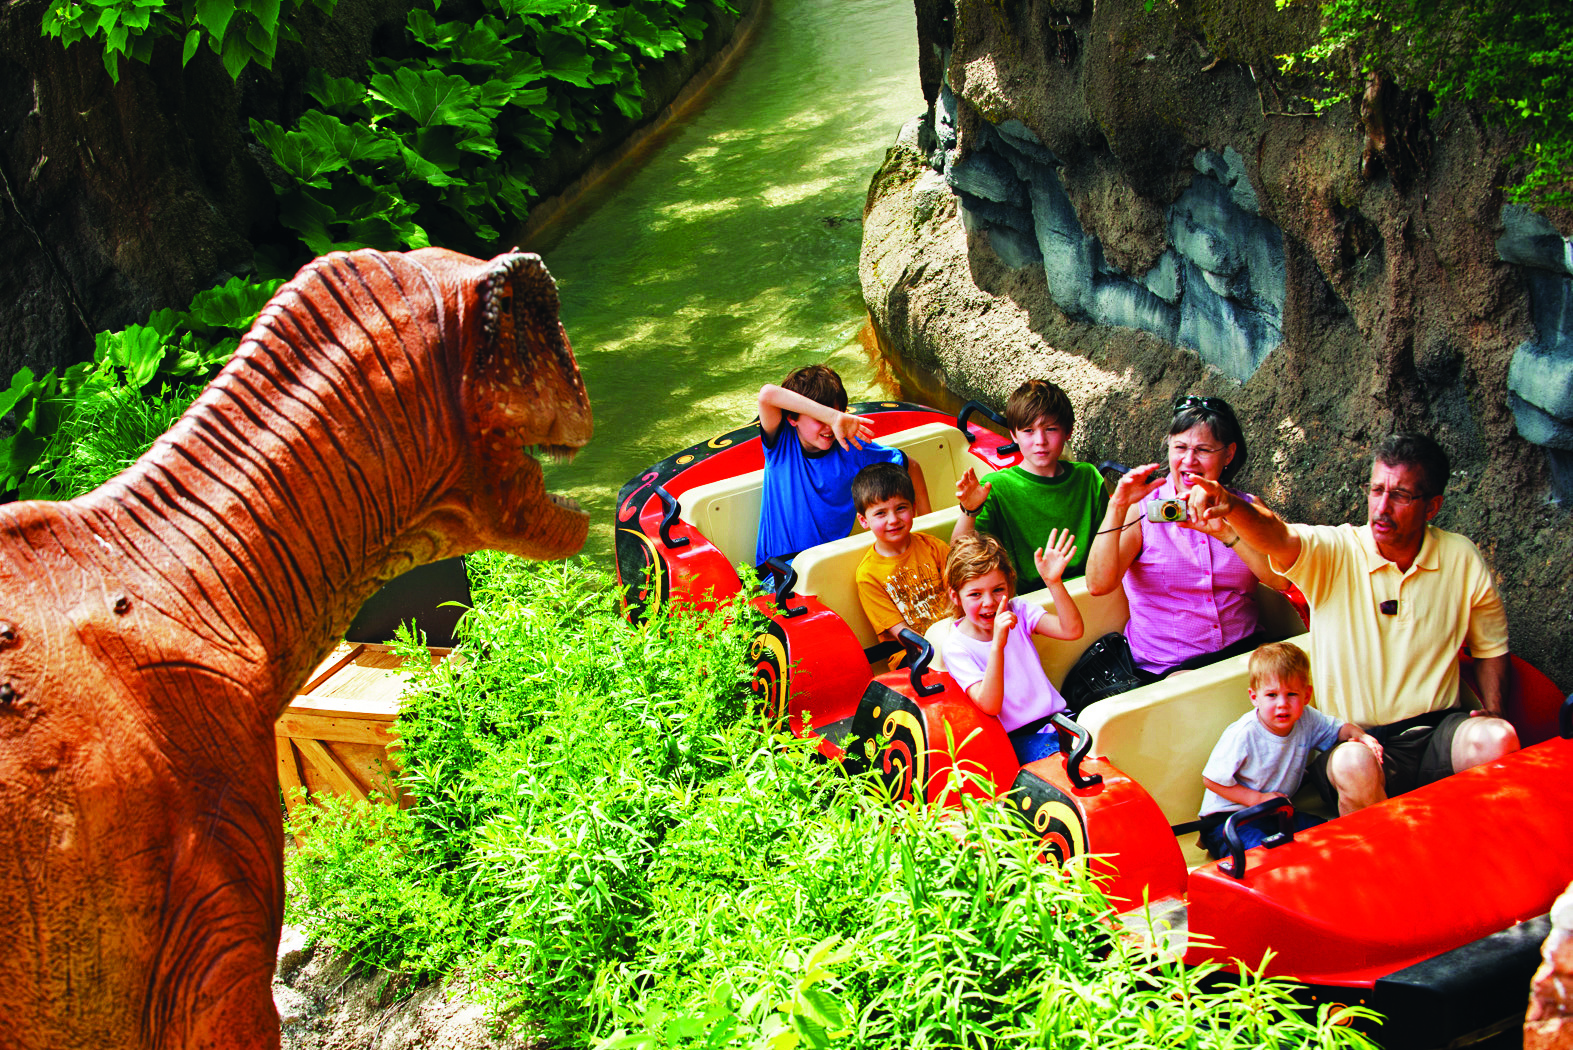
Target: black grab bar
x,y
673,510
1081,744
922,655
1234,864
1008,449
786,579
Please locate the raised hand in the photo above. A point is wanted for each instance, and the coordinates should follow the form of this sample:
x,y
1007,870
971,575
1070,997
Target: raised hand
x,y
1133,486
1052,558
969,493
851,431
1004,620
1207,502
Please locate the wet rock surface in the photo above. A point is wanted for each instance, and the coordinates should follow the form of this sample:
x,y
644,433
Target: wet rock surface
x,y
1338,287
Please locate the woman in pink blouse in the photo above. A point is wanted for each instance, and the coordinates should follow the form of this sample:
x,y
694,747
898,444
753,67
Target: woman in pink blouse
x,y
1191,588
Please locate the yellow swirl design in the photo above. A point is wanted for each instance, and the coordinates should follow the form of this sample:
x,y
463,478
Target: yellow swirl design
x,y
1044,816
914,727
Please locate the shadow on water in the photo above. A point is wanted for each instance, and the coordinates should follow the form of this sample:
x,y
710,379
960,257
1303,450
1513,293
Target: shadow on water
x,y
729,256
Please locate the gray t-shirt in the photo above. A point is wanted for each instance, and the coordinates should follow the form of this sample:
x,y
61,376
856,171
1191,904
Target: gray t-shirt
x,y
1251,755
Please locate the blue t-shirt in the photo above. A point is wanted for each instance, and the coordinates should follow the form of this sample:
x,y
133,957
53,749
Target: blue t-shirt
x,y
808,501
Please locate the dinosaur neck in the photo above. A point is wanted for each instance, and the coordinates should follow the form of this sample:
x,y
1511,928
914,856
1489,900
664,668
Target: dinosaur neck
x,y
299,481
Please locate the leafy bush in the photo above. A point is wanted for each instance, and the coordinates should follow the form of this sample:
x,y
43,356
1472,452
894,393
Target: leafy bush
x,y
603,834
448,139
76,429
238,31
1512,58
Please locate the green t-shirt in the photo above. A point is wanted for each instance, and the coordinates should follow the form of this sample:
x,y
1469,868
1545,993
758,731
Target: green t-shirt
x,y
1022,509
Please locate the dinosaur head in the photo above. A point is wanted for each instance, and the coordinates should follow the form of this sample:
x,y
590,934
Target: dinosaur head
x,y
522,396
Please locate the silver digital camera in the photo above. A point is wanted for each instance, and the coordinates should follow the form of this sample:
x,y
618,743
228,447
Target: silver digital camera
x,y
1167,510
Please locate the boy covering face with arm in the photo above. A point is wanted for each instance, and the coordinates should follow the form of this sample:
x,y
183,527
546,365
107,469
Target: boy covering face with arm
x,y
813,448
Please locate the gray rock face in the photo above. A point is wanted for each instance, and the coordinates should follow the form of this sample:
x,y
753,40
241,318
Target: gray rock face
x,y
1217,290
1540,378
1191,227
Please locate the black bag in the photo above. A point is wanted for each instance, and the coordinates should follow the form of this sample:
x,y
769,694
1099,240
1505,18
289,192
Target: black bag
x,y
1104,669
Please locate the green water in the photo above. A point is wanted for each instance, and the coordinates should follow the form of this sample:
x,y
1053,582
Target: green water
x,y
729,256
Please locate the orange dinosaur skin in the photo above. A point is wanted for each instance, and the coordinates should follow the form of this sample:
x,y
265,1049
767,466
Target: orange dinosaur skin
x,y
376,417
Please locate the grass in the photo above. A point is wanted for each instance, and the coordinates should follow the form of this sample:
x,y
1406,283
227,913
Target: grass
x,y
605,837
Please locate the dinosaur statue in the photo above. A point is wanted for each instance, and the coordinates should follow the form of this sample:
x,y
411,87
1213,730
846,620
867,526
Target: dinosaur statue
x,y
379,415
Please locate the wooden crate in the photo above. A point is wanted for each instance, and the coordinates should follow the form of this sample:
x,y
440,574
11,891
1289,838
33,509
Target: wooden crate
x,y
335,737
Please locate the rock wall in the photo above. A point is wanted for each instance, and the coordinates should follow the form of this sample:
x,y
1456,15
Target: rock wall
x,y
120,199
1136,205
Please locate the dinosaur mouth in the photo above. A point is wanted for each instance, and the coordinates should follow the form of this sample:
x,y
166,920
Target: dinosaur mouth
x,y
565,502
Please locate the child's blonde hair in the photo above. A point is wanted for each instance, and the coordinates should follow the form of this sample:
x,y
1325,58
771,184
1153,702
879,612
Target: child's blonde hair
x,y
973,555
1281,662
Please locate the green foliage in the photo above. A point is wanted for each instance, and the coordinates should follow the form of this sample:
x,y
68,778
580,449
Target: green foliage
x,y
1511,58
76,429
605,837
442,147
240,32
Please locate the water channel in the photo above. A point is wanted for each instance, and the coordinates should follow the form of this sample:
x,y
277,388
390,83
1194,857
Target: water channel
x,y
728,256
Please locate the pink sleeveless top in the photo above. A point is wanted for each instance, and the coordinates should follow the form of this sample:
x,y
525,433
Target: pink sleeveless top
x,y
1188,594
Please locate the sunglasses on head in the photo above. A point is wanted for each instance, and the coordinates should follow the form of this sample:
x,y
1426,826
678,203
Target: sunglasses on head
x,y
1215,405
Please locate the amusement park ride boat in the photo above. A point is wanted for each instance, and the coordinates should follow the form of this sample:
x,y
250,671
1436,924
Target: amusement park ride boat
x,y
1429,908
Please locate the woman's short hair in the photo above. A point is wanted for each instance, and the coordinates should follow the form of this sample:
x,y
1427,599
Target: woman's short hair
x,y
1279,662
977,554
1215,414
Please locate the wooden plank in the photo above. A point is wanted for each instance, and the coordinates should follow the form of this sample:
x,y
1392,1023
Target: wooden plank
x,y
326,763
373,709
289,777
348,730
328,668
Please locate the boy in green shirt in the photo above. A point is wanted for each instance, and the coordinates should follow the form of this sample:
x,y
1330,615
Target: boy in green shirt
x,y
1021,505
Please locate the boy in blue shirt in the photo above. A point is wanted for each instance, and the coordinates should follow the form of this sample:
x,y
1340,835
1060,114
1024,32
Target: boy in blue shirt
x,y
810,462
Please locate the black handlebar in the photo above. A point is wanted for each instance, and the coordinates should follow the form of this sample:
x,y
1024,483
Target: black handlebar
x,y
1234,865
673,509
971,407
786,579
1081,744
922,655
1565,718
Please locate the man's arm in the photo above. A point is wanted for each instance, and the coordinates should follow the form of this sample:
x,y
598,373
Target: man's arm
x,y
1491,682
1254,523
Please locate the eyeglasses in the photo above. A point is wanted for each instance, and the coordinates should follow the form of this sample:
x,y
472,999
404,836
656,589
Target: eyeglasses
x,y
1179,448
1397,497
1215,405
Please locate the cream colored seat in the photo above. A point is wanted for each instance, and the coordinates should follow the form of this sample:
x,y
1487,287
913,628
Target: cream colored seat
x,y
1160,734
727,511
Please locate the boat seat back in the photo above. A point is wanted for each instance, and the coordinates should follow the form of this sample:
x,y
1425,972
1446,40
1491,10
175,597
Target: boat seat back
x,y
727,511
1100,614
829,571
1160,734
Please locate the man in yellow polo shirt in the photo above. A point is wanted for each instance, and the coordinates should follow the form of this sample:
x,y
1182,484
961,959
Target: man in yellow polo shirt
x,y
1391,604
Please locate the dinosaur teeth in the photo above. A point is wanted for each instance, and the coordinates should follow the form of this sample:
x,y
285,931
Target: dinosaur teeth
x,y
565,502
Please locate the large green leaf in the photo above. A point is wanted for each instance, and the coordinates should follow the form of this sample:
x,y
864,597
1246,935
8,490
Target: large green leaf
x,y
339,95
233,305
428,97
